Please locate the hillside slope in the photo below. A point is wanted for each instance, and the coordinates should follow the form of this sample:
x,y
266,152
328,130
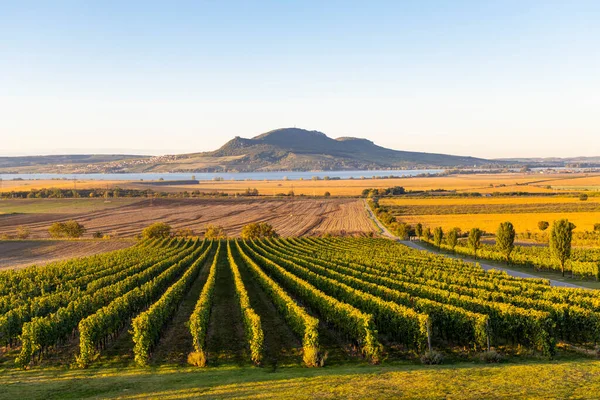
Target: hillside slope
x,y
288,149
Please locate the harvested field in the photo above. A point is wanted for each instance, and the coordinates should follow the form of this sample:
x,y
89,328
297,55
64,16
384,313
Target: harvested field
x,y
23,253
289,216
482,183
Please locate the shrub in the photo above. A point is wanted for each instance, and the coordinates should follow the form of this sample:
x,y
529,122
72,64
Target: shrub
x,y
491,357
98,235
215,232
69,229
432,357
23,232
543,225
197,359
327,194
583,197
184,232
258,231
597,227
157,230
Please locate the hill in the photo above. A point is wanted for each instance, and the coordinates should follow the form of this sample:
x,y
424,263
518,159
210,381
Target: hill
x,y
289,149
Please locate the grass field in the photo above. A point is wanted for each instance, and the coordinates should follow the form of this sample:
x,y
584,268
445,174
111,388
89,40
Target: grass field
x,y
521,380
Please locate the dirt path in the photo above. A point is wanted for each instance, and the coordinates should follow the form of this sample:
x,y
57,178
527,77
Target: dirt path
x,y
416,245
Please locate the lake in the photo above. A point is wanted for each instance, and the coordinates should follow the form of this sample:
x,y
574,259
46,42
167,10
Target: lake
x,y
240,176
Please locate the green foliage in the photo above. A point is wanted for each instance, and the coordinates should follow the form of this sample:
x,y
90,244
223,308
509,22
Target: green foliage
x,y
452,238
252,325
70,229
543,225
505,239
438,236
201,314
561,236
419,230
583,197
157,230
258,231
306,326
474,240
215,232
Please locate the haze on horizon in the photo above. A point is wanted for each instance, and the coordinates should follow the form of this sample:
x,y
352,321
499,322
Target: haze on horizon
x,y
486,79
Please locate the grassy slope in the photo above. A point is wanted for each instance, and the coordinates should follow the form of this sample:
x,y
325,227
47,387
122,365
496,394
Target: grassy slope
x,y
579,379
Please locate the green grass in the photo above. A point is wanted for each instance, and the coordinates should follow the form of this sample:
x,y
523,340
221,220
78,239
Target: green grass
x,y
532,379
70,206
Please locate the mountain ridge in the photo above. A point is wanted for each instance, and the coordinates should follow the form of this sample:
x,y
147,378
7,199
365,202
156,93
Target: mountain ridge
x,y
285,149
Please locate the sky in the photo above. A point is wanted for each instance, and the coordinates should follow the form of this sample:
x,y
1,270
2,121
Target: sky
x,y
483,78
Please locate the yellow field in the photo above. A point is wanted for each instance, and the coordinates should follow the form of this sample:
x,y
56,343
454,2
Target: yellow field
x,y
10,185
405,201
483,183
489,222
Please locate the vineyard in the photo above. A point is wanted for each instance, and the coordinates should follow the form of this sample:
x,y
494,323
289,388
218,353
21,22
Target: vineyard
x,y
310,301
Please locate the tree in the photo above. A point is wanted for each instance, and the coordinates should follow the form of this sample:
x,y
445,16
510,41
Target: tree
x,y
597,227
403,230
438,236
561,236
23,232
69,229
215,232
427,233
157,230
258,231
419,229
543,225
505,239
452,238
327,194
583,197
475,240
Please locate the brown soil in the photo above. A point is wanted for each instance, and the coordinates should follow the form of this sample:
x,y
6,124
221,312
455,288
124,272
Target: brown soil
x,y
289,216
18,254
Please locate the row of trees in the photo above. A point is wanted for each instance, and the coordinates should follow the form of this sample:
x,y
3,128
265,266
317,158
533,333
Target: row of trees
x,y
255,230
561,236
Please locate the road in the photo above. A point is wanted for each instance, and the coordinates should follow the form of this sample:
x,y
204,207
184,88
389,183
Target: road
x,y
416,245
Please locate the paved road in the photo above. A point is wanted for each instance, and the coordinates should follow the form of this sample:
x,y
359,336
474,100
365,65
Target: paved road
x,y
415,245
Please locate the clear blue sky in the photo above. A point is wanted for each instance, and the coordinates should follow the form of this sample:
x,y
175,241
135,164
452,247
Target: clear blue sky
x,y
482,78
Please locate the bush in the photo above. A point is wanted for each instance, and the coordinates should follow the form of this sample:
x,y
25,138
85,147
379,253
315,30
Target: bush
x,y
597,227
432,357
327,194
491,357
258,231
23,232
98,235
185,232
543,225
583,197
69,229
215,232
197,359
157,230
